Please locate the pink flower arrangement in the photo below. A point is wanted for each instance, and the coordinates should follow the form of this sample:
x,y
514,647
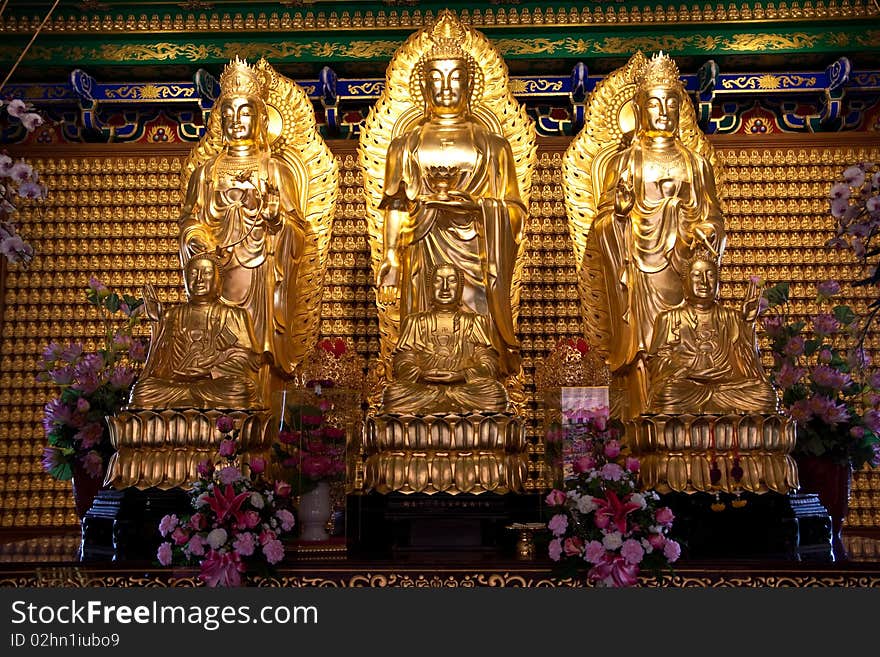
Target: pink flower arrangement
x,y
310,448
828,386
601,520
239,518
91,385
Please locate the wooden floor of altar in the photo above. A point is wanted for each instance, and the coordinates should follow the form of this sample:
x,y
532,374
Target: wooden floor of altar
x,y
50,559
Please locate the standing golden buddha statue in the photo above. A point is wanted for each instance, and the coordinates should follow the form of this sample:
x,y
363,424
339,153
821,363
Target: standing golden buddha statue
x,y
260,193
640,188
251,201
447,155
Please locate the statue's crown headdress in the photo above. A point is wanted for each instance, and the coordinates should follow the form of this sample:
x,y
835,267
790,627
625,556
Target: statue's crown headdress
x,y
659,71
447,34
241,79
447,37
700,255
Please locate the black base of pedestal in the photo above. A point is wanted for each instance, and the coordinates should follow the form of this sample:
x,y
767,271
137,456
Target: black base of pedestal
x,y
124,524
769,526
436,526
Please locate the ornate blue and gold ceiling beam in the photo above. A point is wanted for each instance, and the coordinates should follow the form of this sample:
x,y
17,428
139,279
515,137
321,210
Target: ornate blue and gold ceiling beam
x,y
806,101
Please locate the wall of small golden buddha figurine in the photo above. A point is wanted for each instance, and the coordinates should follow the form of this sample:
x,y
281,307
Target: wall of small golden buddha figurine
x,y
112,211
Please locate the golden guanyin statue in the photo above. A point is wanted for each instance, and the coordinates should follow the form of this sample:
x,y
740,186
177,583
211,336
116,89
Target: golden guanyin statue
x,y
448,154
704,356
640,193
203,353
260,193
445,361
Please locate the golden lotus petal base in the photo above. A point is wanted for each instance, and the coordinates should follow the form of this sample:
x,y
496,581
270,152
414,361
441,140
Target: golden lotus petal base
x,y
162,448
677,452
451,453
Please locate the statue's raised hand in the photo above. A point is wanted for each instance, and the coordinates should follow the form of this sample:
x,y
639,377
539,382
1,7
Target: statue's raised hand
x,y
387,281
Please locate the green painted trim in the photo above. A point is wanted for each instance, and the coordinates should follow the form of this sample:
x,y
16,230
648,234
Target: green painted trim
x,y
573,43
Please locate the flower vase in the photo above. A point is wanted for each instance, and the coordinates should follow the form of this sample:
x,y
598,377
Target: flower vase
x,y
85,489
832,482
314,513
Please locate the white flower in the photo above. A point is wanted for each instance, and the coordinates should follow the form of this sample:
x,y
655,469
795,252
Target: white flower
x,y
586,504
31,121
637,498
647,545
202,500
16,108
257,501
217,537
612,541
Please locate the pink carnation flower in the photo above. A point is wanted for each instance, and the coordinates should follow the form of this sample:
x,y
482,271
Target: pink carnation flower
x,y
167,524
594,552
671,550
554,549
632,551
558,524
164,554
274,551
555,498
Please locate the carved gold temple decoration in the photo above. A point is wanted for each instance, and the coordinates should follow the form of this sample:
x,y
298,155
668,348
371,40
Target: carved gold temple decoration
x,y
112,212
551,16
162,448
454,453
748,452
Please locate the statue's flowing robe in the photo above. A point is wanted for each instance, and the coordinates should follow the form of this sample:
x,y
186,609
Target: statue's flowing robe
x,y
261,271
643,254
484,246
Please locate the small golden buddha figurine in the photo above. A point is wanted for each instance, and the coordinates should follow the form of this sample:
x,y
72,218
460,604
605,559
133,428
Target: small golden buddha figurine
x,y
444,360
651,203
704,357
451,196
245,204
203,353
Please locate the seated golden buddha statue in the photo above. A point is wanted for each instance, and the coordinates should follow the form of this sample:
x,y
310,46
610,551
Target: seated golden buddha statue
x,y
704,357
203,363
641,200
203,351
444,360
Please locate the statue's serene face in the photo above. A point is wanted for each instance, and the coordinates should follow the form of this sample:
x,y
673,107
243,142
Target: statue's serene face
x,y
702,281
202,279
240,119
659,110
446,285
446,85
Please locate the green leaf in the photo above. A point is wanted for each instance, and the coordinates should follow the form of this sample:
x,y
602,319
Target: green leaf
x,y
778,294
112,302
811,347
844,315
